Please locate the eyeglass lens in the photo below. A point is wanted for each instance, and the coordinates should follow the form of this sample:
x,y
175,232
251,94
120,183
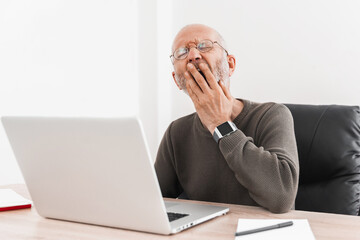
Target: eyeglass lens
x,y
203,46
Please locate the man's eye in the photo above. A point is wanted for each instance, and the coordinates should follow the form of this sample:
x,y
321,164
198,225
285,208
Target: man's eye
x,y
201,45
204,46
181,52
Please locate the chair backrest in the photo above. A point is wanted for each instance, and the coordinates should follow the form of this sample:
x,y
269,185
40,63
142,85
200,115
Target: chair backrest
x,y
328,141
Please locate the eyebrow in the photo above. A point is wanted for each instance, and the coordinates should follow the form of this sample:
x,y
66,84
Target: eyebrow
x,y
196,41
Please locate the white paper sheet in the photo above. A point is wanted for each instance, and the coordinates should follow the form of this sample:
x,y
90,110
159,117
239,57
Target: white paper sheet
x,y
299,230
9,198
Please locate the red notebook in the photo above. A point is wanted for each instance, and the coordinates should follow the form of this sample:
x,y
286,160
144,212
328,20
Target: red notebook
x,y
10,200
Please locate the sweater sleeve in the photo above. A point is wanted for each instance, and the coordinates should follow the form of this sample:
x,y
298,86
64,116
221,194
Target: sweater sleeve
x,y
165,169
268,167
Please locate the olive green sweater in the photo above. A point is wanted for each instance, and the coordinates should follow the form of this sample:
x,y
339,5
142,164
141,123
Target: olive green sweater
x,y
256,165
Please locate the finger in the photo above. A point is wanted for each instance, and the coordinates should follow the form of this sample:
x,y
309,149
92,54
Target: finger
x,y
198,77
192,95
192,83
209,76
225,89
192,88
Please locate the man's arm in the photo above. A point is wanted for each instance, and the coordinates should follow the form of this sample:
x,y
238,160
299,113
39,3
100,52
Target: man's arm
x,y
164,167
269,167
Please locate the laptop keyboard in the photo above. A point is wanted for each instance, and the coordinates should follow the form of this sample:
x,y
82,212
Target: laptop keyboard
x,y
174,216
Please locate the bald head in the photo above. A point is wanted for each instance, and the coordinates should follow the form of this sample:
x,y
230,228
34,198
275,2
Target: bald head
x,y
197,30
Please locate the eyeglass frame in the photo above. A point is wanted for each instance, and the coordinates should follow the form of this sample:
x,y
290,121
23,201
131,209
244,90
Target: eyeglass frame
x,y
196,46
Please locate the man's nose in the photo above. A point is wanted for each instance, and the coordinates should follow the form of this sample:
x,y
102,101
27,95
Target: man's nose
x,y
194,55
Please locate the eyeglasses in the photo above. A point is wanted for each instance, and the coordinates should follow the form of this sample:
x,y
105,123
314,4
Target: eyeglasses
x,y
202,46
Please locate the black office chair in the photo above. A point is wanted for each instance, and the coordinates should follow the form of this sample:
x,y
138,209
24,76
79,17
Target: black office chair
x,y
328,140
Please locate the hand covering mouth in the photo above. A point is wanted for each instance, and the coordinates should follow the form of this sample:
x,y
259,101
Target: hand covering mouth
x,y
196,64
202,74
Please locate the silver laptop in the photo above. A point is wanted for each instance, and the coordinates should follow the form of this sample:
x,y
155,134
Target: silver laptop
x,y
97,171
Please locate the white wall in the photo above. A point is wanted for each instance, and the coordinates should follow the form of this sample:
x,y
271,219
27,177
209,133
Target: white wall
x,y
66,58
287,51
155,24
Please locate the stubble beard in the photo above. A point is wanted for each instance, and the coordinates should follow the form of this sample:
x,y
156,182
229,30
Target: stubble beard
x,y
221,72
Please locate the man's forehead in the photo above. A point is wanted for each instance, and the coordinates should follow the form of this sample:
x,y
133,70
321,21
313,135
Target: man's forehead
x,y
194,35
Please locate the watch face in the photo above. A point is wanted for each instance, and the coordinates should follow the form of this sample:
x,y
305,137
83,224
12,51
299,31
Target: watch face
x,y
225,128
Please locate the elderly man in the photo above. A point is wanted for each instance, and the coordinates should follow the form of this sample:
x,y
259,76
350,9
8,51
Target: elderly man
x,y
230,150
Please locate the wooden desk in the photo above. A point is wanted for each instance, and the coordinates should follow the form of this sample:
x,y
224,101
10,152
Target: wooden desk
x,y
27,224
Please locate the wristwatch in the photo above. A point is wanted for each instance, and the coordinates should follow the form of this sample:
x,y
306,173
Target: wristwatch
x,y
223,130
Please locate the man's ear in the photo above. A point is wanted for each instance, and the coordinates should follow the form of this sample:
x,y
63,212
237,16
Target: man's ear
x,y
232,64
177,84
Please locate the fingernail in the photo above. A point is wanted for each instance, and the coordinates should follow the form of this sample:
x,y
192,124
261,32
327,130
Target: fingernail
x,y
189,65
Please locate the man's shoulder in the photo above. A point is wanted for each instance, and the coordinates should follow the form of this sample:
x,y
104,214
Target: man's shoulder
x,y
183,122
268,108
